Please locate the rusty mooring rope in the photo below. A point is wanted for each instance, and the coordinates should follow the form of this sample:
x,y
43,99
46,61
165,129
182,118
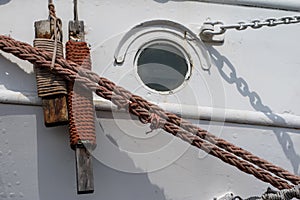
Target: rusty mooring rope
x,y
80,102
208,147
144,110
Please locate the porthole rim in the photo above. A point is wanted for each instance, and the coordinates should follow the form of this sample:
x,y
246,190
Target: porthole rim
x,y
174,45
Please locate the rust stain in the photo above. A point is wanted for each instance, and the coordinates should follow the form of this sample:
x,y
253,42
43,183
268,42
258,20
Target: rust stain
x,y
46,35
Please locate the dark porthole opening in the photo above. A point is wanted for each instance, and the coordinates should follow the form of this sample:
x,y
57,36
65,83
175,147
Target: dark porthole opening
x,y
162,67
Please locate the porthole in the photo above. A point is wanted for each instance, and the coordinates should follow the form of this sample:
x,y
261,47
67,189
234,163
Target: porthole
x,y
163,66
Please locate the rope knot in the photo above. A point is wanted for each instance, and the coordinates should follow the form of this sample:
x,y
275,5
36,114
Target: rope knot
x,y
51,8
145,117
155,121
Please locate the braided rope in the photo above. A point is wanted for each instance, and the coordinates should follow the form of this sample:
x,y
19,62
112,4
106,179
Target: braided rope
x,y
80,102
246,155
56,28
210,148
51,8
144,111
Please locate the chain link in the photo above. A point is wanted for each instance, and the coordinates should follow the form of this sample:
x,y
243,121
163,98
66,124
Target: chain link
x,y
221,28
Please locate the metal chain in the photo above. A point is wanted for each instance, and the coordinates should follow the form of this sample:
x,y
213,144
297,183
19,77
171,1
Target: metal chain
x,y
221,28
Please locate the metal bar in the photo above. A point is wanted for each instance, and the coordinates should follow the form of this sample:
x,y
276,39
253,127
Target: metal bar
x,y
186,111
75,11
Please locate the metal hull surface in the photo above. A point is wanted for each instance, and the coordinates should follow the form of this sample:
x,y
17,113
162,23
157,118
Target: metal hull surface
x,y
249,96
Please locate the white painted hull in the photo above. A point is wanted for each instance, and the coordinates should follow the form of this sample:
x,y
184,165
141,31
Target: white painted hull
x,y
252,85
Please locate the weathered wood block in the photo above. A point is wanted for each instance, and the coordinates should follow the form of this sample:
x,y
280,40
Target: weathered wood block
x,y
54,106
84,171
